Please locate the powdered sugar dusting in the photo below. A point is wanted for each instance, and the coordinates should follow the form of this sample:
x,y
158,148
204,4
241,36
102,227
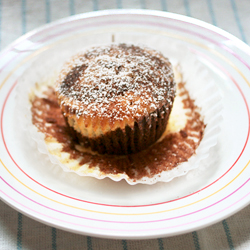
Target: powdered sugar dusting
x,y
118,81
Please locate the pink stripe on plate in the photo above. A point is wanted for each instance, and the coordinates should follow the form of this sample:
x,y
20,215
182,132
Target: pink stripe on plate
x,y
122,222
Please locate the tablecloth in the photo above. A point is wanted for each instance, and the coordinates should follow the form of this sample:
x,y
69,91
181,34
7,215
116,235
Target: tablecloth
x,y
17,231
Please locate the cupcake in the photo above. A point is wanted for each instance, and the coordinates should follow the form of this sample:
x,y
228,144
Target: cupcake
x,y
116,99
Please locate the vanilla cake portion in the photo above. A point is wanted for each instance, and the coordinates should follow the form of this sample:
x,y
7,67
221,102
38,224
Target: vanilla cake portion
x,y
117,98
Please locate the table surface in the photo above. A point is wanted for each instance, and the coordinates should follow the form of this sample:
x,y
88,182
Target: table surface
x,y
20,232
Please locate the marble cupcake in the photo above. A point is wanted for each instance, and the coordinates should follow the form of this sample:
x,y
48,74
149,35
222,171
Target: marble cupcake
x,y
117,98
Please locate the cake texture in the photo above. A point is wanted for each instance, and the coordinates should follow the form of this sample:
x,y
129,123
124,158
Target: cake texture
x,y
116,99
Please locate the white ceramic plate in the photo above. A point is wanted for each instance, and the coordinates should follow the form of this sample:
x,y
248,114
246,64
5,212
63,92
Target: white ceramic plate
x,y
33,185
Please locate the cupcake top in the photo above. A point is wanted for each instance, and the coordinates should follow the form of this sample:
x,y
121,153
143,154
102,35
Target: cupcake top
x,y
115,83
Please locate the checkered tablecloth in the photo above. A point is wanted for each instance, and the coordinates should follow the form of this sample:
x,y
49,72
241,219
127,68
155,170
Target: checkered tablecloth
x,y
20,232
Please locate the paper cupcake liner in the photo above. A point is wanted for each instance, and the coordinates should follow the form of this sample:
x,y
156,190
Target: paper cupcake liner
x,y
129,140
199,84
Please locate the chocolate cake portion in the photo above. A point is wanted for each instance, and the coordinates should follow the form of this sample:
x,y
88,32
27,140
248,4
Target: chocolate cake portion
x,y
117,98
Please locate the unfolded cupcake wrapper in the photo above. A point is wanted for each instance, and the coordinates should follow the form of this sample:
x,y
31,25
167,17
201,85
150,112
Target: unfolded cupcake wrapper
x,y
198,82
